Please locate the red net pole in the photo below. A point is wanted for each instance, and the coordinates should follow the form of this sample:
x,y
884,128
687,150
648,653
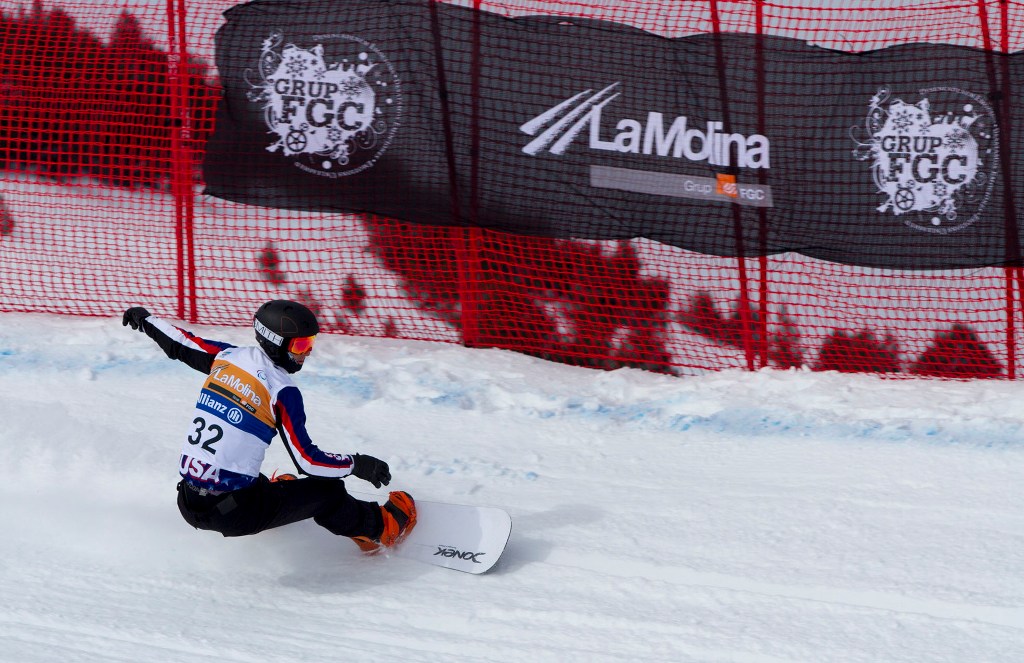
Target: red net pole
x,y
174,66
470,272
1017,270
1000,84
762,178
185,158
181,156
743,314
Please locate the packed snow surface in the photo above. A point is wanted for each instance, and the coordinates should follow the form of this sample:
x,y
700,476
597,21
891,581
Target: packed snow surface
x,y
770,517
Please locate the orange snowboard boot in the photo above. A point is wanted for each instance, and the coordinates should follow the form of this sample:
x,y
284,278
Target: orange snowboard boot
x,y
399,515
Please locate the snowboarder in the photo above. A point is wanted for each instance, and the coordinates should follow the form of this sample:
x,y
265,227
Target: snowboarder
x,y
249,396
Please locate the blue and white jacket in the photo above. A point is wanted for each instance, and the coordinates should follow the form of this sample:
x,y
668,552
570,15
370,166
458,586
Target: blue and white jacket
x,y
246,400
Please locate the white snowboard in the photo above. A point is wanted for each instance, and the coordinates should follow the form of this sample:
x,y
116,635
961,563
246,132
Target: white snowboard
x,y
455,536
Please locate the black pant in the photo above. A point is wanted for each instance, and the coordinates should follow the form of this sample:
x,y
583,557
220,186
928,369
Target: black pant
x,y
265,505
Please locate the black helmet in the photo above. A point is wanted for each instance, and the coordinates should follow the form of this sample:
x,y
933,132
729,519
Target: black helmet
x,y
278,321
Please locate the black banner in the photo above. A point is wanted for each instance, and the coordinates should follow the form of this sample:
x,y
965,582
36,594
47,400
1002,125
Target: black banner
x,y
728,144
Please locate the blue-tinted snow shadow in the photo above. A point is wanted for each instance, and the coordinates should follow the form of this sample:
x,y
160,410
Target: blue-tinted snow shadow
x,y
322,563
523,549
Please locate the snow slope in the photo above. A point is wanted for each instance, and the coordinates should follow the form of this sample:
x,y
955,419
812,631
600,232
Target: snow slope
x,y
772,517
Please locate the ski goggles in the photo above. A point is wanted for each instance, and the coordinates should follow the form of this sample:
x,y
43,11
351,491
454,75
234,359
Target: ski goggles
x,y
302,345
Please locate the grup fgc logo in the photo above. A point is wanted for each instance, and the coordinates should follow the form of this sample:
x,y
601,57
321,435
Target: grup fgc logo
x,y
339,111
934,161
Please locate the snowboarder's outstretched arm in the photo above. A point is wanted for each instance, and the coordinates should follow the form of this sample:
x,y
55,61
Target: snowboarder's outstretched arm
x,y
177,343
309,458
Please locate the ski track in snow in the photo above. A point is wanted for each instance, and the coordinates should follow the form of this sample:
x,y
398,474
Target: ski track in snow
x,y
732,517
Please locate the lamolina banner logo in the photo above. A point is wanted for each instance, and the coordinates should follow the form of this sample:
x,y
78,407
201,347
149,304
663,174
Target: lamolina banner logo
x,y
654,134
935,161
343,113
675,137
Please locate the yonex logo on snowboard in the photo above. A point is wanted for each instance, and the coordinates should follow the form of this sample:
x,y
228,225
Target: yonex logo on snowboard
x,y
449,551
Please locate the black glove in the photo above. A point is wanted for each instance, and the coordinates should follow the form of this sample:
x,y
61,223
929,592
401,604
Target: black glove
x,y
371,469
133,318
